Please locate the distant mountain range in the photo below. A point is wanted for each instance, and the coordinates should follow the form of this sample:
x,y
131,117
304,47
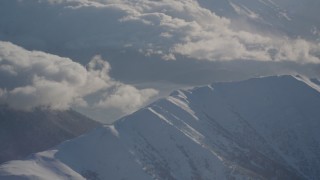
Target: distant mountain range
x,y
262,128
23,133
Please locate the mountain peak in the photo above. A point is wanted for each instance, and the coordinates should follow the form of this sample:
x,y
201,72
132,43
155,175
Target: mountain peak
x,y
261,128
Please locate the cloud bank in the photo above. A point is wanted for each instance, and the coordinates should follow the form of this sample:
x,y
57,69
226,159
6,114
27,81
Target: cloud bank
x,y
139,38
42,80
166,28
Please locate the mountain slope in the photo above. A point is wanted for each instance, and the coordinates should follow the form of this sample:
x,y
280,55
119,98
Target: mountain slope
x,y
263,128
23,133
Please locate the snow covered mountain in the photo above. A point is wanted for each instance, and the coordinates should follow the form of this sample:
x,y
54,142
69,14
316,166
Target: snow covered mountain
x,y
23,133
262,128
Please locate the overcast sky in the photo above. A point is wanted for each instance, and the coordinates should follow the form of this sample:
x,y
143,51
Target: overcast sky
x,y
107,58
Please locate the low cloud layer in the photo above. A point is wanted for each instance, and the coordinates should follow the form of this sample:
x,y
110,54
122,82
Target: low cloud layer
x,y
166,28
42,80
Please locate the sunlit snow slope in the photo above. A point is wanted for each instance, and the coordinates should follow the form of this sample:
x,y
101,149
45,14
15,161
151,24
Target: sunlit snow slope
x,y
263,128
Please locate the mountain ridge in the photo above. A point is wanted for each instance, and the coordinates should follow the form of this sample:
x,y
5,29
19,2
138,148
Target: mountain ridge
x,y
202,133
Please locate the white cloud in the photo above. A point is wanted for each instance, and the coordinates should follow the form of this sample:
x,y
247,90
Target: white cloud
x,y
168,28
127,98
49,81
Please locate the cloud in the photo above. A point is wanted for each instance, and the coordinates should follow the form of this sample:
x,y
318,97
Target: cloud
x,y
165,28
44,80
245,46
127,98
139,38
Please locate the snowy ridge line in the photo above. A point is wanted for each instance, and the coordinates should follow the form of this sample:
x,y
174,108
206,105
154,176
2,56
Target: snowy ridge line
x,y
252,129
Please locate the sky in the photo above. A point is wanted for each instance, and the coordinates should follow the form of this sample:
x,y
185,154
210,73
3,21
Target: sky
x,y
108,58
